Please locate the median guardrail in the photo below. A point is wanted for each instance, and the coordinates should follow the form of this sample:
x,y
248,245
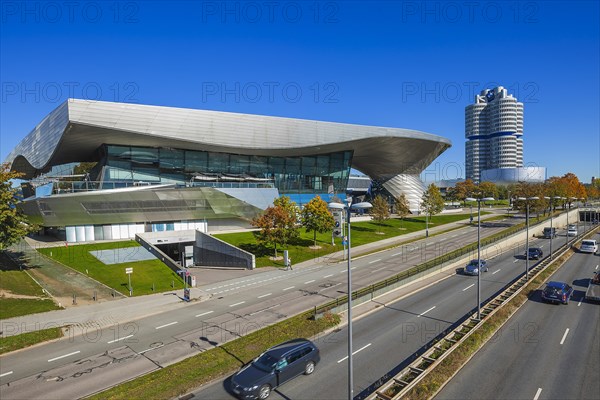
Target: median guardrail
x,y
399,385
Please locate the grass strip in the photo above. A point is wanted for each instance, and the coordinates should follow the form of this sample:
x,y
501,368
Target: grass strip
x,y
443,372
150,276
179,378
12,343
10,308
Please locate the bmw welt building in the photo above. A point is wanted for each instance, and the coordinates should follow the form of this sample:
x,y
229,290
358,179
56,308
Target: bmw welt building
x,y
105,170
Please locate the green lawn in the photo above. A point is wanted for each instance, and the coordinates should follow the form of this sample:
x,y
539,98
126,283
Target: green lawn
x,y
12,343
362,233
145,273
16,281
10,308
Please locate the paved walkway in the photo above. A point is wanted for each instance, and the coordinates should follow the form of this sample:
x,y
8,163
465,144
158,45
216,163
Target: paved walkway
x,y
119,311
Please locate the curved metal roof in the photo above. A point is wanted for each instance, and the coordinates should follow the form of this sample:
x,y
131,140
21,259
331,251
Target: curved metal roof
x,y
75,129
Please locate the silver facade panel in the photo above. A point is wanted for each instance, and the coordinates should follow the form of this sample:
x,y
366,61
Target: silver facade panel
x,y
73,131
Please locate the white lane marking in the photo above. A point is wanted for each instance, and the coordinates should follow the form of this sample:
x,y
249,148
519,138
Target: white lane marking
x,y
564,336
496,271
378,269
517,260
354,352
165,325
236,304
596,267
307,282
468,287
151,348
425,312
66,355
288,288
353,268
397,254
6,373
374,261
264,295
119,339
328,276
579,304
205,313
537,394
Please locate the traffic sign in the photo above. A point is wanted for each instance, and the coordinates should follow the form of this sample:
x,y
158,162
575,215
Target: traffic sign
x,y
129,270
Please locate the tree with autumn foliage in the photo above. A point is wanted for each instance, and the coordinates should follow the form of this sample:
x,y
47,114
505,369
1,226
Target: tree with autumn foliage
x,y
316,217
278,224
464,189
13,223
402,206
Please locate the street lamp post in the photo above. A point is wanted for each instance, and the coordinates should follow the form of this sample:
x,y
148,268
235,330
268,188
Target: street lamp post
x,y
348,208
479,250
527,200
551,217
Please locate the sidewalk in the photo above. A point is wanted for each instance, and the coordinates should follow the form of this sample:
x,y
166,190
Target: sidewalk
x,y
120,311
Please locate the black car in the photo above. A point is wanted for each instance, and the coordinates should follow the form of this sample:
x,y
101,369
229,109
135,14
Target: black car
x,y
274,367
535,253
557,292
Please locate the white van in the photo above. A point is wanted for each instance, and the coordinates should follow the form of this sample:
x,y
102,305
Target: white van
x,y
588,246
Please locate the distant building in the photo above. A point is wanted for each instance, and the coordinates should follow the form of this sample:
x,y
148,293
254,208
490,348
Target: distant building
x,y
154,169
494,131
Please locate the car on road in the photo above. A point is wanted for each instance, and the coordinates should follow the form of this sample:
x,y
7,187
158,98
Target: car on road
x,y
588,246
274,367
472,268
557,292
549,233
572,231
534,253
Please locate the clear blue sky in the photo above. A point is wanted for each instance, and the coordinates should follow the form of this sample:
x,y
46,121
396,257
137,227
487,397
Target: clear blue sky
x,y
409,64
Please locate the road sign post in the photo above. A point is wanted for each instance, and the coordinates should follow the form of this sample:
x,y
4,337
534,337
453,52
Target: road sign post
x,y
129,271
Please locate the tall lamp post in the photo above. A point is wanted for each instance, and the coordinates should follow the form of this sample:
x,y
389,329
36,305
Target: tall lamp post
x,y
479,250
348,208
527,200
551,216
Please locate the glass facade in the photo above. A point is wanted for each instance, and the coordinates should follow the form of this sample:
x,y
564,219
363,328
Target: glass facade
x,y
323,173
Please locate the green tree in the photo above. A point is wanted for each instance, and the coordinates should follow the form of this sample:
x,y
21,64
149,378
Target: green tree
x,y
277,226
316,217
488,189
432,203
380,210
13,223
402,206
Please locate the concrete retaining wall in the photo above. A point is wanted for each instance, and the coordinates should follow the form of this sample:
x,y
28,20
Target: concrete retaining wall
x,y
213,252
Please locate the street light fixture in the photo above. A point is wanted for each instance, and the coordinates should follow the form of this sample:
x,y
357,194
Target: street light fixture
x,y
479,250
551,215
348,208
527,200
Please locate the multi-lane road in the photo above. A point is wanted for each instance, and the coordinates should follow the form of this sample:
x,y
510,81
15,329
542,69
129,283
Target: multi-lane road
x,y
386,340
545,351
77,366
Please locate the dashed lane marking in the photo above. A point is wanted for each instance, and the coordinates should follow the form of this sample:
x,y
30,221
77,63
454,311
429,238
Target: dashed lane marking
x,y
425,312
119,339
205,313
66,355
354,352
165,325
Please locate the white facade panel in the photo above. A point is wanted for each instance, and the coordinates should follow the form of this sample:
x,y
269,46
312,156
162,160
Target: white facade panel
x,y
71,236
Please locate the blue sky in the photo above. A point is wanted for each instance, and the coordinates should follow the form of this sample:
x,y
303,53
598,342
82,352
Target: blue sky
x,y
408,64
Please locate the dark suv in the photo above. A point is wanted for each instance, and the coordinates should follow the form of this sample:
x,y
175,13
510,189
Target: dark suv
x,y
274,367
535,253
557,292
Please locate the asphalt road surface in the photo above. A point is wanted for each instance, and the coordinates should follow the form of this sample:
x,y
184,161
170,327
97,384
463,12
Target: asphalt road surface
x,y
545,351
80,365
387,340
